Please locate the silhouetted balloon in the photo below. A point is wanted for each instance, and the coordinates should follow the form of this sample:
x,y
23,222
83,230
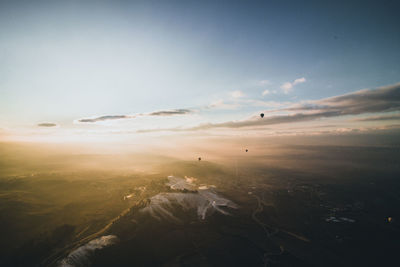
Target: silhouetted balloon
x,y
262,115
247,150
199,158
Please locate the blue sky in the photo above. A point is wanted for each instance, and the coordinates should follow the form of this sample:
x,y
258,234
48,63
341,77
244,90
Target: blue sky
x,y
65,60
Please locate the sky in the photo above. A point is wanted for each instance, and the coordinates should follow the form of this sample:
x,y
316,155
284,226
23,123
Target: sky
x,y
99,68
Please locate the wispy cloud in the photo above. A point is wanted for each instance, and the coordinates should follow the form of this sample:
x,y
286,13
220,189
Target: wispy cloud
x,y
47,124
257,121
380,118
300,80
271,105
106,118
171,112
266,92
383,99
220,104
287,87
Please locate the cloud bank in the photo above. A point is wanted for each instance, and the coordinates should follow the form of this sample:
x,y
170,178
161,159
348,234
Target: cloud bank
x,y
381,118
383,99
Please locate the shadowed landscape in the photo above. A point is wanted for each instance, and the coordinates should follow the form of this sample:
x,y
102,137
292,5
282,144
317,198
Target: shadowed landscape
x,y
296,205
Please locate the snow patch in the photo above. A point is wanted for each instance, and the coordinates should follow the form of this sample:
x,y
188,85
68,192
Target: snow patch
x,y
82,255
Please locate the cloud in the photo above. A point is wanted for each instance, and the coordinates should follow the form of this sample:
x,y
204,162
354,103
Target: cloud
x,y
105,118
299,80
237,94
288,86
220,104
47,124
383,99
380,118
272,105
171,112
266,92
256,121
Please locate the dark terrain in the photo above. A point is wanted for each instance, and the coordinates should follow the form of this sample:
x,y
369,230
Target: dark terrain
x,y
297,206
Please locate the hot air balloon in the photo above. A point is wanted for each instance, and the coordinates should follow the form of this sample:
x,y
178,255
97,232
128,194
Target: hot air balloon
x,y
247,150
262,115
199,158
